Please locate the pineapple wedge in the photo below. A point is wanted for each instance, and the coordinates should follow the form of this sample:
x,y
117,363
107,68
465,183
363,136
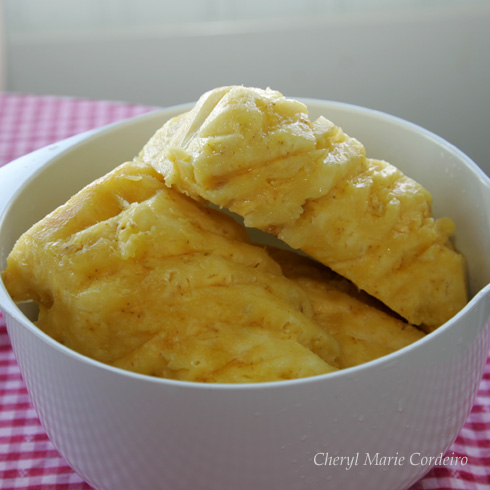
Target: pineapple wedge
x,y
136,275
258,154
363,327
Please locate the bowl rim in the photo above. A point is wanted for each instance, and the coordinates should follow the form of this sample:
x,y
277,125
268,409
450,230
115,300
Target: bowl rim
x,y
51,153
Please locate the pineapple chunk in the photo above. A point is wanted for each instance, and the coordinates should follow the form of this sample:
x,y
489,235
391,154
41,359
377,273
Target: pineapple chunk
x,y
364,328
258,154
134,274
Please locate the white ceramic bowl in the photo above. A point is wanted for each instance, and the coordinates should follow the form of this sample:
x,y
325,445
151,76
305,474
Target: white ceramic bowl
x,y
123,431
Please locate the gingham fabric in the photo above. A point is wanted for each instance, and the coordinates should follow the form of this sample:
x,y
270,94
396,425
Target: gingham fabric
x,y
28,460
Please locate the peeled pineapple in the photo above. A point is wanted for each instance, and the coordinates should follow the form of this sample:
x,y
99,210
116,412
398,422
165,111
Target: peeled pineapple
x,y
136,275
257,153
138,272
364,329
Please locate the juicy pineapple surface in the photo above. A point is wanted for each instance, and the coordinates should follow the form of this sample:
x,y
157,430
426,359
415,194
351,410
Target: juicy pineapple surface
x,y
258,154
364,329
136,275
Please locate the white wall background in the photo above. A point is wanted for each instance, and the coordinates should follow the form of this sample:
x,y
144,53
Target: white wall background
x,y
424,60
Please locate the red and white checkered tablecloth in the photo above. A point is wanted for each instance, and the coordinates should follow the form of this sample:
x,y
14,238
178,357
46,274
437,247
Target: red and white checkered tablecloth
x,y
28,460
